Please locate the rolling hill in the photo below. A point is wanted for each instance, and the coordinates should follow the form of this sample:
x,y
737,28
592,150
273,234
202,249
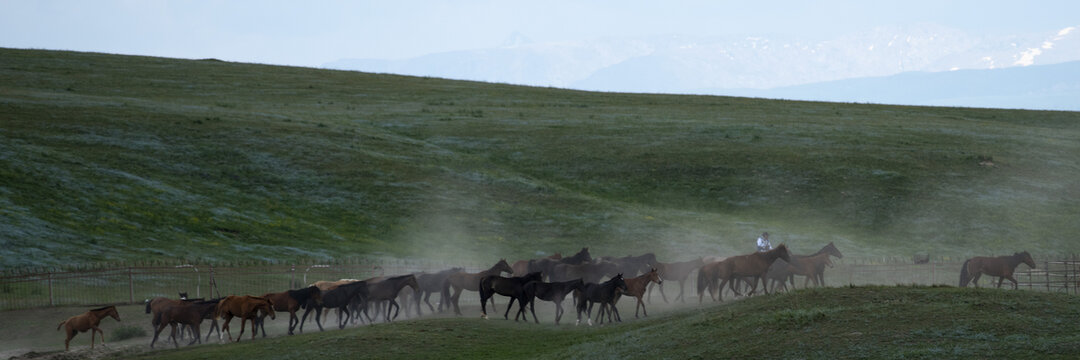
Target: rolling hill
x,y
118,158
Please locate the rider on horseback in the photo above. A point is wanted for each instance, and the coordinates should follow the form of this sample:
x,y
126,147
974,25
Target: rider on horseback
x,y
763,242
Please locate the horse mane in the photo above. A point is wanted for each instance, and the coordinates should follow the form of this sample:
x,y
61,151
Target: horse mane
x,y
103,308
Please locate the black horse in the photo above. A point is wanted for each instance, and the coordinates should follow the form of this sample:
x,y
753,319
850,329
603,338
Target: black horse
x,y
555,292
603,293
633,265
546,265
514,287
337,298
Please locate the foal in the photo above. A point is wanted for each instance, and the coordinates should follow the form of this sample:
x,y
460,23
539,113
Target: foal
x,y
603,293
87,321
636,287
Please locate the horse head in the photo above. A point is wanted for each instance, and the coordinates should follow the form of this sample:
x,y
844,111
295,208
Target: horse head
x,y
183,295
619,282
782,252
113,313
1026,258
832,250
267,308
654,276
503,267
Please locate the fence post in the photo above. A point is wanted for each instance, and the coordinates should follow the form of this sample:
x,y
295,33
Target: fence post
x,y
131,286
50,290
1046,270
292,276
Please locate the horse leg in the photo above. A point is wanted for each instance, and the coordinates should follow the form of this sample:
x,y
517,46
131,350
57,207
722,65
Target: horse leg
x,y
157,331
172,335
682,295
454,300
508,307
71,334
243,325
393,304
197,332
642,306
1016,284
975,279
616,311
1000,280
532,309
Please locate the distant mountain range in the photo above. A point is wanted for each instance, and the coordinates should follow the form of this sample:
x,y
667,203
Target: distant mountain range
x,y
949,66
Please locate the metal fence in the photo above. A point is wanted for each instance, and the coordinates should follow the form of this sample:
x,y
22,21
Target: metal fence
x,y
134,284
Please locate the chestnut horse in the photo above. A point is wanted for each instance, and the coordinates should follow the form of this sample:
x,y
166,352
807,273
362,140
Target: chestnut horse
x,y
755,266
812,266
87,321
677,271
1001,266
246,308
471,281
636,287
291,301
555,292
190,314
513,287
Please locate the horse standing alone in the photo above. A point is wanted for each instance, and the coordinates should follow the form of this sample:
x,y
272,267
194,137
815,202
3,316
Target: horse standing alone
x,y
87,321
1001,266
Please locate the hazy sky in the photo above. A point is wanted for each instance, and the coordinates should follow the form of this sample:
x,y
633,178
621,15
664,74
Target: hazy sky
x,y
310,33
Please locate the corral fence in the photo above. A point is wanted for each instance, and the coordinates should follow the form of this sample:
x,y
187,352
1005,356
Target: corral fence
x,y
119,284
134,284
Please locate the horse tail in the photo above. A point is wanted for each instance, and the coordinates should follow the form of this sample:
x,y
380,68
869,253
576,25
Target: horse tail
x,y
702,282
61,324
964,276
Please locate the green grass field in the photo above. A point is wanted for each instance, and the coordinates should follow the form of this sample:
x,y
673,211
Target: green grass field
x,y
120,158
107,158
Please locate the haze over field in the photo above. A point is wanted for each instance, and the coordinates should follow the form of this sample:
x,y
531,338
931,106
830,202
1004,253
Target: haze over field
x,y
696,47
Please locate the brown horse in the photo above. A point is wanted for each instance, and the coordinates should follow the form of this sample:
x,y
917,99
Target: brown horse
x,y
291,301
190,314
815,269
436,282
636,286
471,281
677,271
87,321
1001,266
388,289
755,266
246,308
782,271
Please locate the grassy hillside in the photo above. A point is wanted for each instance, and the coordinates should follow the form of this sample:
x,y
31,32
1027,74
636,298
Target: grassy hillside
x,y
829,323
106,157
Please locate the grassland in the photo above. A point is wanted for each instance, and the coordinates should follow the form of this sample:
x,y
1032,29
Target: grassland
x,y
847,322
109,158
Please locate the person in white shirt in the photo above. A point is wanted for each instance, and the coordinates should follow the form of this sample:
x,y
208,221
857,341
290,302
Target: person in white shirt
x,y
763,242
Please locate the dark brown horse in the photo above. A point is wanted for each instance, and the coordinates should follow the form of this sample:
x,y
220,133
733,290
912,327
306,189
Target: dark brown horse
x,y
87,321
708,279
1001,266
388,289
754,266
471,281
636,286
338,298
246,308
188,314
436,282
555,292
603,294
291,301
813,268
677,271
513,287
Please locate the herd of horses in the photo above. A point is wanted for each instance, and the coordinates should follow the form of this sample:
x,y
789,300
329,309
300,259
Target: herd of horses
x,y
590,282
